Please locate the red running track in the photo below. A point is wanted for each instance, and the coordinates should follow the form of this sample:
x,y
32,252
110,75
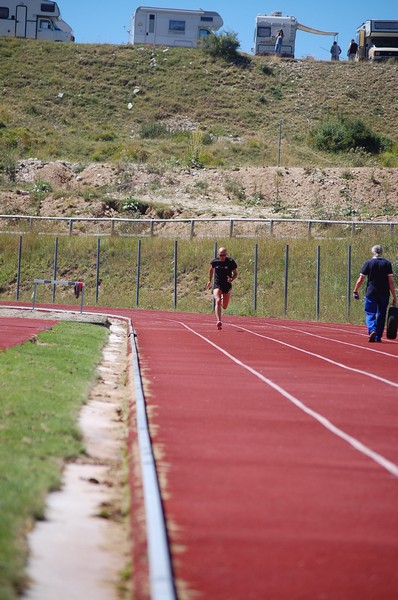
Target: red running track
x,y
14,330
276,449
265,497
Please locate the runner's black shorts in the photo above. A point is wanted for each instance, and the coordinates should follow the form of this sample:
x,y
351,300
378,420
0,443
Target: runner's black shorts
x,y
226,289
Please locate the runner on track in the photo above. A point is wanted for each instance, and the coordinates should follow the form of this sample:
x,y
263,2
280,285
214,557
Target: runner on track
x,y
379,285
225,271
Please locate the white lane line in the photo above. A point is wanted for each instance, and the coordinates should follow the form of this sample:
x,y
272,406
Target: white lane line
x,y
334,328
322,337
324,358
359,446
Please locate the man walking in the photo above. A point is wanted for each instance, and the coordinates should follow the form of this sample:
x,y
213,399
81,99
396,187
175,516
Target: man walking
x,y
225,271
380,283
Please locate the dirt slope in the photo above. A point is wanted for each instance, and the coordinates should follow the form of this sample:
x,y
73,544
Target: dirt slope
x,y
100,190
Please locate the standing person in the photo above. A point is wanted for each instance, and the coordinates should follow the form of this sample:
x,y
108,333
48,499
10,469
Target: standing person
x,y
335,51
225,271
380,283
279,41
352,51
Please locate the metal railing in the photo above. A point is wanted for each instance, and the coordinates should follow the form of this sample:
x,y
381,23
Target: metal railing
x,y
188,228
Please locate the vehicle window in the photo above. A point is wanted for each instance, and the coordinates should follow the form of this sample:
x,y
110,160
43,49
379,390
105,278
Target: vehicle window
x,y
203,32
208,19
47,7
44,24
177,26
264,31
4,12
151,28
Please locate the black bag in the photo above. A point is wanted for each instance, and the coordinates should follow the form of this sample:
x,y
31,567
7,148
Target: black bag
x,y
392,322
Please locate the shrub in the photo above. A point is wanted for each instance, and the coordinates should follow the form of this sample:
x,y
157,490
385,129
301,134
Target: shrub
x,y
342,134
133,205
42,187
234,189
267,69
8,162
390,159
153,130
223,45
276,92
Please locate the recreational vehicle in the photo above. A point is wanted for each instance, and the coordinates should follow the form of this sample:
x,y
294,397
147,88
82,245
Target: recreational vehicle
x,y
267,28
35,19
377,40
172,26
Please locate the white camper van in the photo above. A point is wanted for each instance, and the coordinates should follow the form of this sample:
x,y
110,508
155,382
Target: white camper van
x,y
35,19
378,40
267,27
172,26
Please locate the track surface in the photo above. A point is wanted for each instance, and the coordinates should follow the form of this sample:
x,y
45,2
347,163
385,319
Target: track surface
x,y
276,448
262,500
14,331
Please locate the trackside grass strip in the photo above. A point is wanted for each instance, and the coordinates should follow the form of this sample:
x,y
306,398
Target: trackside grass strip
x,y
42,386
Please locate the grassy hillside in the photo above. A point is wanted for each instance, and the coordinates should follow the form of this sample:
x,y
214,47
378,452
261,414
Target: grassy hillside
x,y
89,103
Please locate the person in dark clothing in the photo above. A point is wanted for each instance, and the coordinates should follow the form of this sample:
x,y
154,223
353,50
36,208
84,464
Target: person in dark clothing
x,y
335,51
225,272
380,283
352,51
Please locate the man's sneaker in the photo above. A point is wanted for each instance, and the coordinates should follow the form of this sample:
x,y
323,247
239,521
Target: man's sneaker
x,y
372,337
219,325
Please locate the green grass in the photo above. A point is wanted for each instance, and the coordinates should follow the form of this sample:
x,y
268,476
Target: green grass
x,y
42,386
118,272
72,102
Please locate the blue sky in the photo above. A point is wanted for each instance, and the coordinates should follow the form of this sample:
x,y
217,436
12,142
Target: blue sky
x,y
96,21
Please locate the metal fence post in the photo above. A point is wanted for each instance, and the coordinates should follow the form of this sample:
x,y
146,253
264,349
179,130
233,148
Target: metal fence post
x,y
318,273
55,266
286,279
271,227
349,283
82,298
175,273
255,276
19,265
97,270
137,291
34,295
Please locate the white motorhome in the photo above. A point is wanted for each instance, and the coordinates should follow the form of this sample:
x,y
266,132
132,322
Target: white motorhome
x,y
267,27
377,40
35,19
172,26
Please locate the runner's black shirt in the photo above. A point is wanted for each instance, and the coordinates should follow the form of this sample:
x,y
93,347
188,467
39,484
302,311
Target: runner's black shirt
x,y
222,270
